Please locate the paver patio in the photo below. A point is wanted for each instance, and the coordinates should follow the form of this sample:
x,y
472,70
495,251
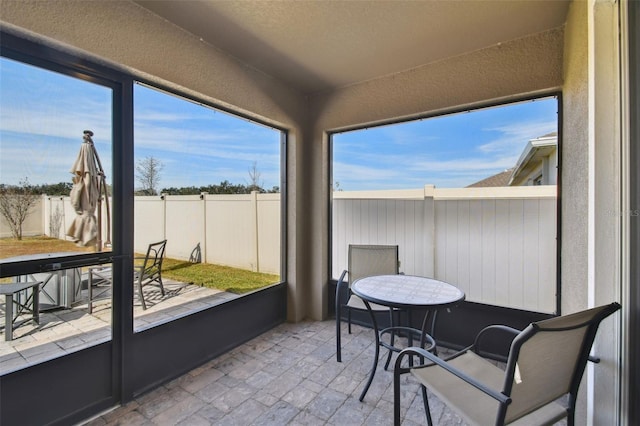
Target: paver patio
x,y
68,330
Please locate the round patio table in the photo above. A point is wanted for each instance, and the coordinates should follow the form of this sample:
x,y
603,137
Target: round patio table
x,y
406,292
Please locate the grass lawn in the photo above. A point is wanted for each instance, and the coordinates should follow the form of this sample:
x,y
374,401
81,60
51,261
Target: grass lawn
x,y
223,278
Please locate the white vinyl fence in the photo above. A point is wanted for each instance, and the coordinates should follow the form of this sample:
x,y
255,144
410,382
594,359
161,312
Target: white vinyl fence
x,y
497,244
242,231
32,226
235,230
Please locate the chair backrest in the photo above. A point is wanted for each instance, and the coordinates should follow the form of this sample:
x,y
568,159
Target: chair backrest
x,y
153,260
548,358
369,260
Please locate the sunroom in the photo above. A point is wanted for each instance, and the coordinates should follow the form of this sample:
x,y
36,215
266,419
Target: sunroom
x,y
311,72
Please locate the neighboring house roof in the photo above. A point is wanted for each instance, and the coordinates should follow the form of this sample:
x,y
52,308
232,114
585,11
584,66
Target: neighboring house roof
x,y
533,153
499,179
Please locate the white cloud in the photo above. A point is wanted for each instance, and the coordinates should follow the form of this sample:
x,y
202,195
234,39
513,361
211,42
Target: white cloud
x,y
515,136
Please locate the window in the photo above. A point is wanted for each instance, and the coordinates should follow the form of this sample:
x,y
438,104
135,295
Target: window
x,y
43,123
456,193
55,185
207,182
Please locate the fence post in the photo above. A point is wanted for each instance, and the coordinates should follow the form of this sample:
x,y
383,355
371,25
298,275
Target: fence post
x,y
203,197
163,197
254,210
430,230
47,214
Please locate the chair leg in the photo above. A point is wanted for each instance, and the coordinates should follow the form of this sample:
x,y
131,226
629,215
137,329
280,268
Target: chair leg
x,y
349,319
338,340
571,410
140,295
425,402
432,333
377,352
396,397
160,282
90,293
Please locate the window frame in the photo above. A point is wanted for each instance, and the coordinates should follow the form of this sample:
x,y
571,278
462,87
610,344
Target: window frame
x,y
430,115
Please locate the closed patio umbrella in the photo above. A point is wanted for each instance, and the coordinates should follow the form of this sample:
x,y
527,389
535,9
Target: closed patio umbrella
x,y
86,194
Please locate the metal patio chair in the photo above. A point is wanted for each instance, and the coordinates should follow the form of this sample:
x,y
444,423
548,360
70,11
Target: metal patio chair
x,y
147,272
546,361
150,271
364,261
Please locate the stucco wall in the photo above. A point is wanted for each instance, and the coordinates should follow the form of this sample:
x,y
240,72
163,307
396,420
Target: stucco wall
x,y
575,170
591,195
508,70
575,159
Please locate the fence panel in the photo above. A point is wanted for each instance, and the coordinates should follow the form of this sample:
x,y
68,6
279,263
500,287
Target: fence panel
x,y
268,228
230,231
498,246
185,225
381,221
149,221
500,252
33,224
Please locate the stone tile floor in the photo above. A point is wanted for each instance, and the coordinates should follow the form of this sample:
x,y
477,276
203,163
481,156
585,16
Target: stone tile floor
x,y
287,376
67,330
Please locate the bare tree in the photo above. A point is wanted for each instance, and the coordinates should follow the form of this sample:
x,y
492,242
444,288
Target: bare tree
x,y
55,223
254,177
16,203
148,175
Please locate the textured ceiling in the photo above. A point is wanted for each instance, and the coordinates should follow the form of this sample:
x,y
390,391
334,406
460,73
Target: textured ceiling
x,y
320,45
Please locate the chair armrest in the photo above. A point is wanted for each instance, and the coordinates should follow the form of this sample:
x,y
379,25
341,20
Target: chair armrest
x,y
498,396
493,329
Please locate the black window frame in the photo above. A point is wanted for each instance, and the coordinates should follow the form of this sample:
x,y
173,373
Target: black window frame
x,y
555,94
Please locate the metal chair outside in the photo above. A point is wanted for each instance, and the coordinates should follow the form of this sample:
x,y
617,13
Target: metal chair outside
x,y
147,272
150,272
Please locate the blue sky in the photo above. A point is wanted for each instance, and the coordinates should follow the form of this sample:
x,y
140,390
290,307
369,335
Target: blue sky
x,y
201,146
449,151
43,115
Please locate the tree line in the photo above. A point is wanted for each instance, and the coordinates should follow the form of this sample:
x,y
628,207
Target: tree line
x,y
61,188
225,187
64,188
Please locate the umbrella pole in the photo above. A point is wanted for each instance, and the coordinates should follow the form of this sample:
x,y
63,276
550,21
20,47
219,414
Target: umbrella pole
x,y
99,235
102,190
